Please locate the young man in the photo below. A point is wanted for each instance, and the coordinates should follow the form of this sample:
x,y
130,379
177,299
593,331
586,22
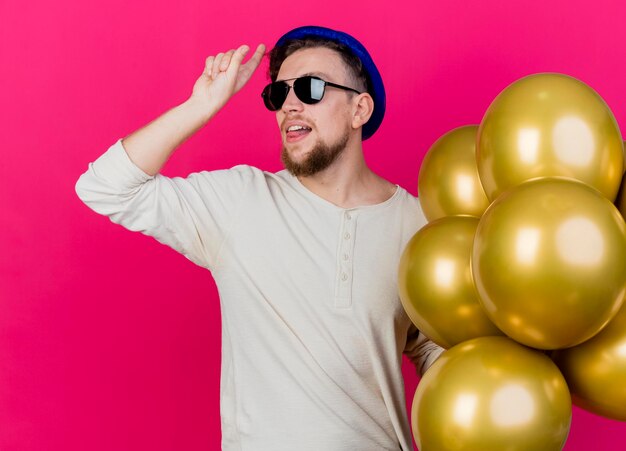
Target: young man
x,y
305,259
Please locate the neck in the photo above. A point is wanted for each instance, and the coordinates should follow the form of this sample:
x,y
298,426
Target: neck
x,y
349,182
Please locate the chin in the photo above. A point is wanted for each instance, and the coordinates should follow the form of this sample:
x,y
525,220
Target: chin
x,y
310,160
297,152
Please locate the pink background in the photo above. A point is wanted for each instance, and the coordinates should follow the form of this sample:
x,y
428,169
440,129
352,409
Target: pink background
x,y
110,341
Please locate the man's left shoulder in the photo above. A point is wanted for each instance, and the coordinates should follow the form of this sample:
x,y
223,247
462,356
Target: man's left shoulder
x,y
407,200
411,210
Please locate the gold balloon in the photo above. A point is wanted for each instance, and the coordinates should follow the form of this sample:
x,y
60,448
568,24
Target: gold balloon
x,y
595,371
549,262
491,394
436,285
549,125
448,182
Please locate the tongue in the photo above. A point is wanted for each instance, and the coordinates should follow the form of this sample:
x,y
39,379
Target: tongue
x,y
297,133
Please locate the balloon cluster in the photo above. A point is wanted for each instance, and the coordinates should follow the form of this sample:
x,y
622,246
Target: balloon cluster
x,y
521,271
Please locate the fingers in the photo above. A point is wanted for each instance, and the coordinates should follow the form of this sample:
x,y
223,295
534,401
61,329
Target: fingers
x,y
240,54
226,60
256,58
216,65
220,63
236,58
208,66
231,61
250,66
245,71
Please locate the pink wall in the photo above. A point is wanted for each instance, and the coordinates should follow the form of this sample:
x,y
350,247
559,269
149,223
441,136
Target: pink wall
x,y
110,341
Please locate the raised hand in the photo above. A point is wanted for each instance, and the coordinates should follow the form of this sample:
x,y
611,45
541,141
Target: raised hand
x,y
224,75
151,146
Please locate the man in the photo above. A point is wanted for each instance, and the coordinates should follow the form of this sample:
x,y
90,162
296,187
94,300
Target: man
x,y
305,260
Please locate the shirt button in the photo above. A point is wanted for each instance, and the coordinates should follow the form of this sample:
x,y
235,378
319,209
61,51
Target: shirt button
x,y
346,257
347,236
348,216
344,277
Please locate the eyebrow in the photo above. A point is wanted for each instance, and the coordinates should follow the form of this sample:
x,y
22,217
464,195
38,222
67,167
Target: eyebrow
x,y
321,75
315,74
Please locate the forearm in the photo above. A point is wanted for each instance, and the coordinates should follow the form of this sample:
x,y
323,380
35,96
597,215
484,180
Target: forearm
x,y
152,145
421,350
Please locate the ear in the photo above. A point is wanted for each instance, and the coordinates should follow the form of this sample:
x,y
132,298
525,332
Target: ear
x,y
363,107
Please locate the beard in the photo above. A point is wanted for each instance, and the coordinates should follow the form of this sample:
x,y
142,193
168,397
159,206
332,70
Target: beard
x,y
319,158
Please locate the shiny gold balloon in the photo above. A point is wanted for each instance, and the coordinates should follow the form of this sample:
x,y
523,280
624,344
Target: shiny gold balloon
x,y
549,125
448,182
436,285
549,262
595,370
491,394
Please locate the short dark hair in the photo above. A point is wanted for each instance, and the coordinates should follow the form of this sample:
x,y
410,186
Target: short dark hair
x,y
353,63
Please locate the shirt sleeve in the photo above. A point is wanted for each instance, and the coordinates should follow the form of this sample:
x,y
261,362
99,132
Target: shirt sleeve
x,y
420,350
192,215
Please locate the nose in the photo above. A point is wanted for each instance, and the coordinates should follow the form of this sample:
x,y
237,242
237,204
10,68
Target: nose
x,y
292,103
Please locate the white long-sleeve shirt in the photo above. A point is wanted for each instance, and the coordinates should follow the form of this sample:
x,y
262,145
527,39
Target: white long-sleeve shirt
x,y
312,327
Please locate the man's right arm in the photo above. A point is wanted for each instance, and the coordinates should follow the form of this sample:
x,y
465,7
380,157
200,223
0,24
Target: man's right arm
x,y
224,75
191,214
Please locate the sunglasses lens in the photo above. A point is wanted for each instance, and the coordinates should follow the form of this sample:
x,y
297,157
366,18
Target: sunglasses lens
x,y
274,95
309,90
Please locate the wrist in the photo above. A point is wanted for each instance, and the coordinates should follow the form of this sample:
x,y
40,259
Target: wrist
x,y
201,109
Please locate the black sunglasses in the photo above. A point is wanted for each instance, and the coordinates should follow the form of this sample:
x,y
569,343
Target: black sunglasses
x,y
308,89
